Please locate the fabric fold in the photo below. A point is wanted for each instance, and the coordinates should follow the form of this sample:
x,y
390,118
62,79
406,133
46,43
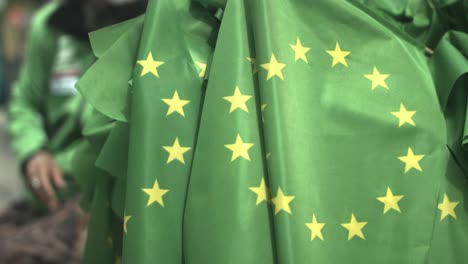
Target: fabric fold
x,y
303,144
107,91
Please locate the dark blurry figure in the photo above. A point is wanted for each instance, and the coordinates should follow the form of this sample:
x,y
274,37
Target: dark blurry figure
x,y
46,113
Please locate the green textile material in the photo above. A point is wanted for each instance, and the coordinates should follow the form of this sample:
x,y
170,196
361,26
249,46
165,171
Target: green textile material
x,y
45,111
320,132
115,39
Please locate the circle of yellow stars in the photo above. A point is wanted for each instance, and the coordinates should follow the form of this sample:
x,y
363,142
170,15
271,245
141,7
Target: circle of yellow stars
x,y
411,160
240,148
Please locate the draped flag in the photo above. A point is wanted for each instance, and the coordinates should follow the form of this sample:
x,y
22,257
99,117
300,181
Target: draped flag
x,y
283,132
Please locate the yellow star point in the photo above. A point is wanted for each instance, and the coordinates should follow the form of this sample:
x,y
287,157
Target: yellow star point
x,y
447,208
338,55
118,260
155,194
150,65
377,78
262,192
354,227
253,61
176,152
274,68
126,219
238,100
239,149
411,161
390,201
299,51
202,67
175,104
263,111
315,228
404,116
281,202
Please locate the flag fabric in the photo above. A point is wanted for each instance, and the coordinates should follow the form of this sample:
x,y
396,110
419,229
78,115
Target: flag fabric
x,y
278,132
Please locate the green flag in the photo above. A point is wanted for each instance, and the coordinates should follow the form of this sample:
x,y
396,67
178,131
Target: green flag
x,y
285,132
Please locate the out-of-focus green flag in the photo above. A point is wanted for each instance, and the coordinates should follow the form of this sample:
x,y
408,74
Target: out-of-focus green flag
x,y
301,132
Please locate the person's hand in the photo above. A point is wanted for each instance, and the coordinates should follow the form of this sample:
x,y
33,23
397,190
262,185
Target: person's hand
x,y
42,172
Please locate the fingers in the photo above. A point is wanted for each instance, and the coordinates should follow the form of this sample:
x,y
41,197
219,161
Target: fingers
x,y
46,175
36,178
57,177
45,190
43,174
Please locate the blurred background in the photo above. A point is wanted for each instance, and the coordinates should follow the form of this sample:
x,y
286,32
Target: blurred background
x,y
46,116
15,17
27,235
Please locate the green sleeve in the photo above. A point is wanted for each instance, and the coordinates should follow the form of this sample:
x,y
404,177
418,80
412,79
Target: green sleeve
x,y
25,124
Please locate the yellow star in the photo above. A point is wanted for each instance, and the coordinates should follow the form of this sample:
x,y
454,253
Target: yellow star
x,y
238,100
202,67
176,104
253,61
405,116
155,194
447,208
176,152
338,55
377,79
150,65
126,219
263,194
411,160
390,201
299,51
282,201
239,149
263,111
118,260
315,228
354,227
274,68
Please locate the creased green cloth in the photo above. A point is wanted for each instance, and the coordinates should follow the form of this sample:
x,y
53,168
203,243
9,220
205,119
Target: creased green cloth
x,y
281,132
111,96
